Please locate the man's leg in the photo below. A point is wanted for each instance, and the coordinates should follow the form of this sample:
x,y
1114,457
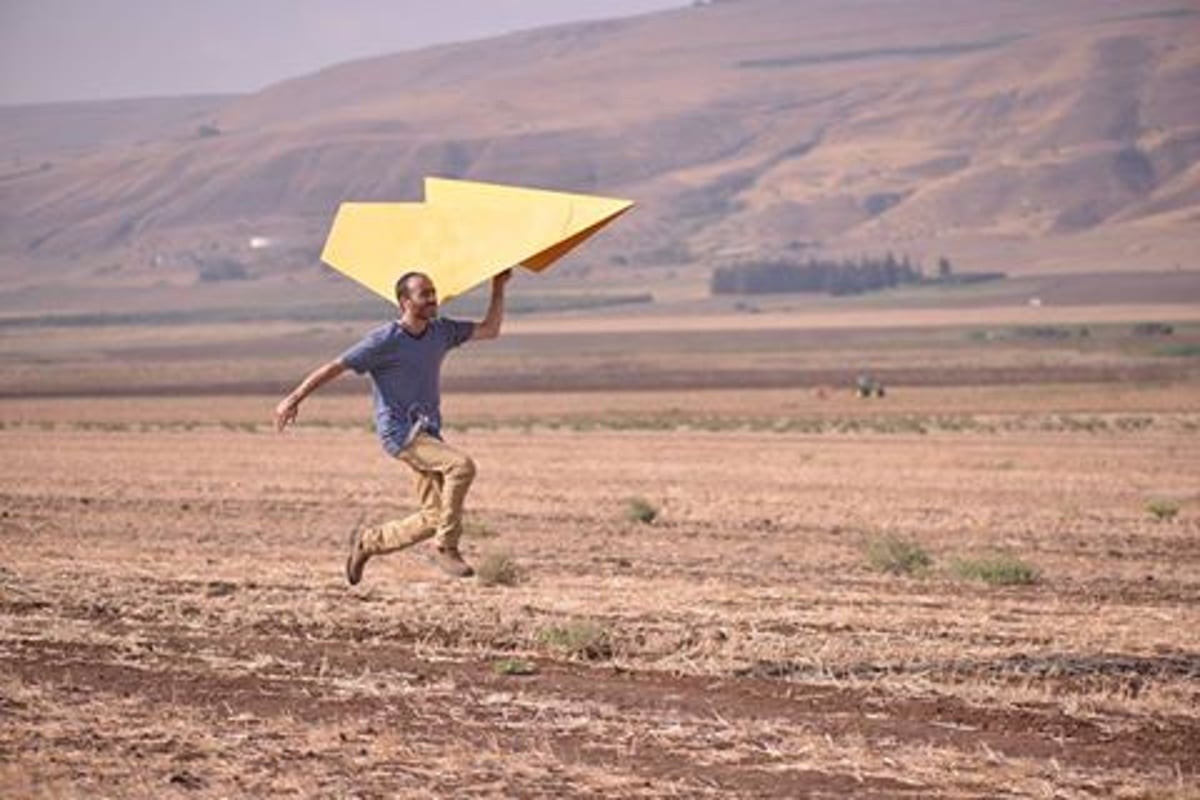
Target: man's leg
x,y
399,533
454,470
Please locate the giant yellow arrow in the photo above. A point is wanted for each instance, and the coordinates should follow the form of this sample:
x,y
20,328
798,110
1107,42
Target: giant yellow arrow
x,y
464,233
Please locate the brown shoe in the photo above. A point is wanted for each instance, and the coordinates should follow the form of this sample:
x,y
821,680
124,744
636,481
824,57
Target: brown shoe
x,y
357,559
451,562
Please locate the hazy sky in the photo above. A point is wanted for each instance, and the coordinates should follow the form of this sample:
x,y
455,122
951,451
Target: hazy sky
x,y
52,50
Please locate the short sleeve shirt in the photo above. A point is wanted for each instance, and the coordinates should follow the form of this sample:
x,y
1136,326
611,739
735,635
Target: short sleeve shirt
x,y
405,374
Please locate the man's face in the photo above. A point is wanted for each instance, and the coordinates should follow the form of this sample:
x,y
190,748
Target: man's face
x,y
422,298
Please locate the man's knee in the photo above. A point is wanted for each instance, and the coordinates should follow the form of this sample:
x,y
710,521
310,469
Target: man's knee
x,y
463,469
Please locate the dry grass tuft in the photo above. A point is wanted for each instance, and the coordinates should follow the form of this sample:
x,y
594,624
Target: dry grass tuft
x,y
498,569
1162,510
514,666
998,569
641,510
898,556
582,639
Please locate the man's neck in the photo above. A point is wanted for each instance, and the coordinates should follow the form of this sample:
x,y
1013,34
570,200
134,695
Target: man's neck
x,y
414,325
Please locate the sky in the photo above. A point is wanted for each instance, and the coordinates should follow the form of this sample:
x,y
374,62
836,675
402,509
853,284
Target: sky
x,y
60,50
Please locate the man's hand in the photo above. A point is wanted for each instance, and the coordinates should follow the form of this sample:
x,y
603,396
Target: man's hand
x,y
285,412
289,407
498,281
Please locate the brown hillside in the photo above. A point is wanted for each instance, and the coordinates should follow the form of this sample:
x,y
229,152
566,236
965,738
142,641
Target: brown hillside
x,y
44,132
1027,136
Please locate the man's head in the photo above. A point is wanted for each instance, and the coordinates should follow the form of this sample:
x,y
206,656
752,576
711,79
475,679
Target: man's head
x,y
416,294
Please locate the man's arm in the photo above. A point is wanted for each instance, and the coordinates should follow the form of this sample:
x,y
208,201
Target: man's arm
x,y
490,327
289,407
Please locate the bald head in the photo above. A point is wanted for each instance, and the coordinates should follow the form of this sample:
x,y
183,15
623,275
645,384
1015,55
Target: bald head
x,y
406,283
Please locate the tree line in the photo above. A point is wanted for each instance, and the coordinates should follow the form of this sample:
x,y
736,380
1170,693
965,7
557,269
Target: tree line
x,y
836,277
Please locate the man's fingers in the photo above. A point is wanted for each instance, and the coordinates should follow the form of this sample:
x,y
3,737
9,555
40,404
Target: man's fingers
x,y
284,415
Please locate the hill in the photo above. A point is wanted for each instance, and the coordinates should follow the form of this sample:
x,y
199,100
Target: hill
x,y
1029,137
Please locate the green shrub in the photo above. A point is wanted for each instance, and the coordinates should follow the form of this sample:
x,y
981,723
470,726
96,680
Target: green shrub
x,y
514,666
891,553
578,639
498,569
639,509
998,569
1163,510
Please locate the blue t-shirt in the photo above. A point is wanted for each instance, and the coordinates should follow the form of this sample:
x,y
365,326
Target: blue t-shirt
x,y
406,375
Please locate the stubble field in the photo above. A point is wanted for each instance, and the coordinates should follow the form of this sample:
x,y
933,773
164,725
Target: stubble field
x,y
967,588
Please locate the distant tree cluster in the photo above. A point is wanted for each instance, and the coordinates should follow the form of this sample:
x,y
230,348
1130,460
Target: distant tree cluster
x,y
222,269
847,276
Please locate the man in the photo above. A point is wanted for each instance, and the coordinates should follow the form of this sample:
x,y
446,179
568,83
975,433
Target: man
x,y
404,359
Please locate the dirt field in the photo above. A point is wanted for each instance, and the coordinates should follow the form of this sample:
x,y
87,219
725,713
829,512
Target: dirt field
x,y
174,619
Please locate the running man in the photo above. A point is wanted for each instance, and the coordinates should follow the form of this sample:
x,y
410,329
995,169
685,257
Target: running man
x,y
404,358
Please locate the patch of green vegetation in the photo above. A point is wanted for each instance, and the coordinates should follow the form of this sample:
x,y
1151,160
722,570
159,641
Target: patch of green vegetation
x,y
1178,350
1038,333
578,639
997,569
498,569
107,426
897,556
641,510
1133,423
1045,332
514,666
1162,509
1074,424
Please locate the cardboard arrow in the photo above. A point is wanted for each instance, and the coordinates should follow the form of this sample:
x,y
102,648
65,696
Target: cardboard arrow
x,y
464,233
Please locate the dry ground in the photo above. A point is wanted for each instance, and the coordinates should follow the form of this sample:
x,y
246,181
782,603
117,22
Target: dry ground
x,y
174,620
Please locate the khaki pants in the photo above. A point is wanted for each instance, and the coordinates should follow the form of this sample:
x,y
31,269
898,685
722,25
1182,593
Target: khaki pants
x,y
443,476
